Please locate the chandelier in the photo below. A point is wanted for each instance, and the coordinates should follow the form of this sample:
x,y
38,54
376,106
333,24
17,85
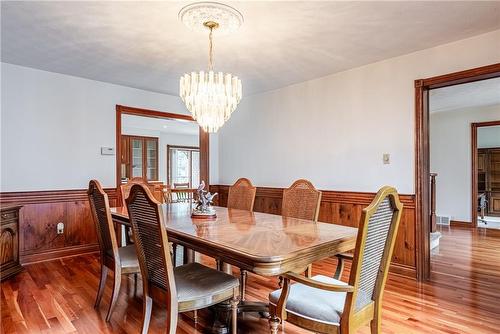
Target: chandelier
x,y
210,96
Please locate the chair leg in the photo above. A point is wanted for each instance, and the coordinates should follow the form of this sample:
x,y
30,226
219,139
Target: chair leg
x,y
274,323
340,268
172,322
308,272
135,284
102,285
375,326
146,313
375,323
243,283
116,291
234,315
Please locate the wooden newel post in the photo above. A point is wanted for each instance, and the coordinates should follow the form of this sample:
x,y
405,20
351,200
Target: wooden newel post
x,y
433,202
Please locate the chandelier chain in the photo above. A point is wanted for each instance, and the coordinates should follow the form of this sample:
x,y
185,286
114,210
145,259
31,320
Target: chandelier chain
x,y
211,50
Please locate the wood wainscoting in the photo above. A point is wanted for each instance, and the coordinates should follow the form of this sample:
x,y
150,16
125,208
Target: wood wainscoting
x,y
344,207
39,216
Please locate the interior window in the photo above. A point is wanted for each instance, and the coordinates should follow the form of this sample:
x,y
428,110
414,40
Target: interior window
x,y
184,166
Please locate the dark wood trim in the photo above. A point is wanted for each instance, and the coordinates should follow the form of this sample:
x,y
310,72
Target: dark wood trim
x,y
474,151
460,77
402,270
422,87
152,113
473,200
49,196
203,137
458,223
59,253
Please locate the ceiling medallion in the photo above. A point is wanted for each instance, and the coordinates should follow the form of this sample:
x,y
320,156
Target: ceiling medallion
x,y
210,96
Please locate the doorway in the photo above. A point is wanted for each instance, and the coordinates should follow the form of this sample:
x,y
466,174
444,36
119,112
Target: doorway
x,y
422,155
142,140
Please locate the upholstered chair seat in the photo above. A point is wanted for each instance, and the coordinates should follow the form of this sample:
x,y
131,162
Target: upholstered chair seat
x,y
312,303
128,257
195,281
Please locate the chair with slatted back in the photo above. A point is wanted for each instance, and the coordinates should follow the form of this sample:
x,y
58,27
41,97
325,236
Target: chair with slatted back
x,y
325,305
301,200
242,196
125,188
122,260
188,287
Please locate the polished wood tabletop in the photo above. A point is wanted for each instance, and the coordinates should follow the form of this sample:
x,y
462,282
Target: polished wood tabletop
x,y
259,242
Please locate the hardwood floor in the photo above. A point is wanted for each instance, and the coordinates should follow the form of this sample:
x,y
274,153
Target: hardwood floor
x,y
463,296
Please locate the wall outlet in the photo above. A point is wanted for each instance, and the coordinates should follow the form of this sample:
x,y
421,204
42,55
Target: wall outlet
x,y
386,158
60,228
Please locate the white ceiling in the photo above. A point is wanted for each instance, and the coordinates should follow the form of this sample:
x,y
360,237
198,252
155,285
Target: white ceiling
x,y
159,124
142,44
475,94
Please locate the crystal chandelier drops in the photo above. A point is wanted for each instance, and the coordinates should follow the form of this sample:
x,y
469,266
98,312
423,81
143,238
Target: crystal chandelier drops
x,y
210,96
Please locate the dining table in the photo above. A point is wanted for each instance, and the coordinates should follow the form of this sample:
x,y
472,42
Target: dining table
x,y
261,243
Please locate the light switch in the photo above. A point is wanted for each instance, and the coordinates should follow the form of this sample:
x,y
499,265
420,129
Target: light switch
x,y
107,151
386,158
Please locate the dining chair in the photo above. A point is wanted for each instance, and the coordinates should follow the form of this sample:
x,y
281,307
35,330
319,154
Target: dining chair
x,y
188,287
121,260
326,305
242,197
301,200
125,188
182,192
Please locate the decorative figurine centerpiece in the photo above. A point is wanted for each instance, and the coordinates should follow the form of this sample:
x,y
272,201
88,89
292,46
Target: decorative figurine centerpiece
x,y
203,208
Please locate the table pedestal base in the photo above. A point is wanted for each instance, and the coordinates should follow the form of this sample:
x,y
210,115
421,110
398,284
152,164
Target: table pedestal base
x,y
222,314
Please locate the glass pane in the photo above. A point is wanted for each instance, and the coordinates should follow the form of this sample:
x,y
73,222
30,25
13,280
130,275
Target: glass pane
x,y
151,160
136,157
181,167
195,169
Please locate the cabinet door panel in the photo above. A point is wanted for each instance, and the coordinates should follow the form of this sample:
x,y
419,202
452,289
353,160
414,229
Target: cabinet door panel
x,y
151,159
137,146
8,244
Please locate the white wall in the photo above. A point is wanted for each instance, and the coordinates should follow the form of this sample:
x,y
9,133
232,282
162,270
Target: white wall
x,y
53,126
334,130
450,143
489,136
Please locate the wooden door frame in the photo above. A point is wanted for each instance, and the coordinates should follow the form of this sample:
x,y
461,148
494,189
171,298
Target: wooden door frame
x,y
422,155
473,134
204,140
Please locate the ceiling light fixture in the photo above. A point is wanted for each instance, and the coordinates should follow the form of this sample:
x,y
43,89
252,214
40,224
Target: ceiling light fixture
x,y
210,96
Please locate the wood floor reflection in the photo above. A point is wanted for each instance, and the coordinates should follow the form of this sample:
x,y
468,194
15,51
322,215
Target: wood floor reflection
x,y
463,296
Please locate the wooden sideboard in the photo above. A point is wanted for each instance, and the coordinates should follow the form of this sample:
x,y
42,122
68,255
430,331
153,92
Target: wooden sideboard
x,y
9,241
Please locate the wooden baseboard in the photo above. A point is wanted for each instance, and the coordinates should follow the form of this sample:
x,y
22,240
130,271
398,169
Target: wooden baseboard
x,y
402,270
459,223
59,253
